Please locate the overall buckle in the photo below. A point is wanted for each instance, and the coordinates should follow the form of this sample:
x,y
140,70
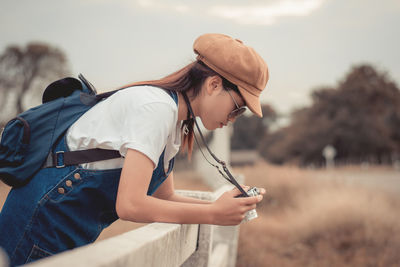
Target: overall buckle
x,y
56,159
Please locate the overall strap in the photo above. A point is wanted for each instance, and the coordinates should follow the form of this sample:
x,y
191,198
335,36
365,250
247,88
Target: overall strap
x,y
174,95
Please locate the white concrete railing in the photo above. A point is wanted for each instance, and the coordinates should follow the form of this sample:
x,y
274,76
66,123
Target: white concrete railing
x,y
158,244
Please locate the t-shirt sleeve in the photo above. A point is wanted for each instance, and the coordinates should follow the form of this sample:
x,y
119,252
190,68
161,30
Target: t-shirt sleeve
x,y
146,129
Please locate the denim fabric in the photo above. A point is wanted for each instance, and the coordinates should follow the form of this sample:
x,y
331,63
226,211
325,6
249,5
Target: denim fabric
x,y
61,209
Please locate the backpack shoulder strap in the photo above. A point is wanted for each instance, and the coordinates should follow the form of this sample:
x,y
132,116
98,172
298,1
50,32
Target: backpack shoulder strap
x,y
61,159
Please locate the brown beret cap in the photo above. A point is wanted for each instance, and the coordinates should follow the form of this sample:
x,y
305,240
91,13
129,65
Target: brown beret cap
x,y
236,62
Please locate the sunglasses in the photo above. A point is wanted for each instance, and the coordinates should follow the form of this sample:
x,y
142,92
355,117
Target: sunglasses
x,y
238,110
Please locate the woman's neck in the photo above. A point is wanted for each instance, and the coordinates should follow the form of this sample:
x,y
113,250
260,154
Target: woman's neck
x,y
183,109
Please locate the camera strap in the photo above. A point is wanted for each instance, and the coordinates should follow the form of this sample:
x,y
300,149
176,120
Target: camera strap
x,y
228,176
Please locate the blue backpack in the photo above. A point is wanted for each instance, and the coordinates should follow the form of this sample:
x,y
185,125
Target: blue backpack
x,y
27,140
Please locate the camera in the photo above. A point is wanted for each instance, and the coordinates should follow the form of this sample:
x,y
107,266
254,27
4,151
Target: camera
x,y
251,214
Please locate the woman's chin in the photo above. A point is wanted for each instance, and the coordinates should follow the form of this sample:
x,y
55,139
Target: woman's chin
x,y
210,126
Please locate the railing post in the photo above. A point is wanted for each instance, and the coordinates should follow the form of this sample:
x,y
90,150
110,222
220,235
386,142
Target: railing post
x,y
217,245
201,257
226,237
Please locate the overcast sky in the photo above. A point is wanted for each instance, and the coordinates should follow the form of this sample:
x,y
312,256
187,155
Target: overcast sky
x,y
306,43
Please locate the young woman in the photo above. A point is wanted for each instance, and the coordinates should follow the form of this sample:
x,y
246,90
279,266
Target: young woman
x,y
63,208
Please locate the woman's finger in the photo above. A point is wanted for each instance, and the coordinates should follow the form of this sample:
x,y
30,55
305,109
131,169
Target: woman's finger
x,y
250,207
251,200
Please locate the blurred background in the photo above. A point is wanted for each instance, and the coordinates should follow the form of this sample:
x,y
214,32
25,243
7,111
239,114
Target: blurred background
x,y
328,147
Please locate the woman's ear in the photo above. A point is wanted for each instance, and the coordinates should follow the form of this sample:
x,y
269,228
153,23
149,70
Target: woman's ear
x,y
213,84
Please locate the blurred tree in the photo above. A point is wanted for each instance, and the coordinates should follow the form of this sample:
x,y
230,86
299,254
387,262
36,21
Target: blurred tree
x,y
248,131
360,118
24,73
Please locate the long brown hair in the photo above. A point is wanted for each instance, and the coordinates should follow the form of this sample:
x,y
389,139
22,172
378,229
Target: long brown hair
x,y
190,77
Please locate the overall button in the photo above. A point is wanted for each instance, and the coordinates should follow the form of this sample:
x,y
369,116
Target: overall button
x,y
77,176
68,183
61,190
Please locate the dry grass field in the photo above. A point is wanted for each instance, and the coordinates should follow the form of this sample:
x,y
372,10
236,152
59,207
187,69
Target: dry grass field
x,y
347,216
342,217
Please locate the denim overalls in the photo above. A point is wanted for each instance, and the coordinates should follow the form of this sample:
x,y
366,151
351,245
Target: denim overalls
x,y
63,208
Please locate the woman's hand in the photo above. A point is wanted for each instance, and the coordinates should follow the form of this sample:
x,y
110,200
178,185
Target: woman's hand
x,y
228,210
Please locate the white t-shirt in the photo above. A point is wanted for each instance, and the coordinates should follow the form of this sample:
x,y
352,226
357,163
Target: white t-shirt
x,y
144,118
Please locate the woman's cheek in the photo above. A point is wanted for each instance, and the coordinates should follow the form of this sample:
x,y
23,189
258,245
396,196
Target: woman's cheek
x,y
213,117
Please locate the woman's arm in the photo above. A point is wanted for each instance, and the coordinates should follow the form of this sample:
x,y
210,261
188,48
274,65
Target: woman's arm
x,y
167,191
134,204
